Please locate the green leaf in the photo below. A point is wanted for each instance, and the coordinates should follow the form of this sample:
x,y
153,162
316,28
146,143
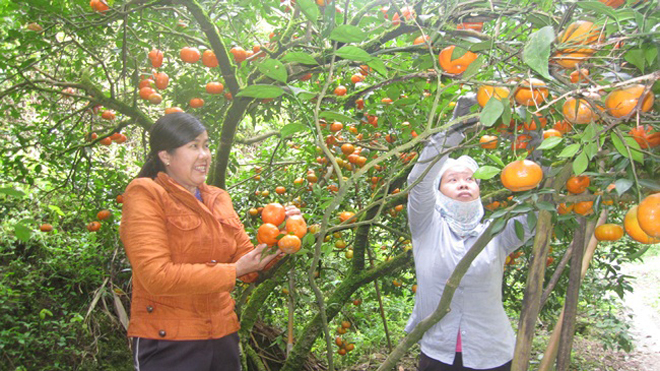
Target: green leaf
x,y
580,164
12,192
22,232
544,205
309,9
261,91
491,112
531,217
335,116
378,66
56,209
537,50
484,45
499,225
597,7
348,34
486,172
474,67
651,53
622,185
570,150
45,312
520,230
591,149
291,129
299,57
496,159
636,57
550,142
632,145
353,53
274,69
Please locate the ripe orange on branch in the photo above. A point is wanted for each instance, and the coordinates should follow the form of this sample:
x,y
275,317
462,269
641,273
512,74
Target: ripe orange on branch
x,y
578,111
578,184
643,136
289,244
162,80
215,87
457,65
273,213
209,59
531,92
486,92
608,232
488,141
267,233
103,214
296,225
189,55
340,90
648,215
46,227
622,102
346,215
521,175
196,102
477,26
93,226
239,54
573,39
583,207
633,229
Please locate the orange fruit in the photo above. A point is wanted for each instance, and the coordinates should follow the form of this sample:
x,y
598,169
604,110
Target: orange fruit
x,y
359,104
273,213
45,227
485,92
189,55
162,80
608,232
156,57
289,244
296,225
521,142
108,115
347,148
267,233
579,75
613,3
563,209
578,111
253,212
531,125
120,199
93,226
340,90
103,214
356,78
521,175
239,54
531,92
155,98
215,87
562,126
458,65
386,100
580,33
280,190
209,59
172,110
648,215
477,26
552,133
622,102
228,96
99,6
336,126
196,102
422,40
583,207
577,184
106,141
488,141
306,77
312,178
146,92
570,60
407,13
631,225
146,83
346,215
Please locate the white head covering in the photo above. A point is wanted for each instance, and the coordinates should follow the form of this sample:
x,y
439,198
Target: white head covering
x,y
461,216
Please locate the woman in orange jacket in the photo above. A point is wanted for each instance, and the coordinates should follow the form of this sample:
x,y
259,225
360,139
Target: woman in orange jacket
x,y
186,246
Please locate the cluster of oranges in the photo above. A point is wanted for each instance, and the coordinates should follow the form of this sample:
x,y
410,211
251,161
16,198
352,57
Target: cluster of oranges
x,y
101,216
344,346
287,240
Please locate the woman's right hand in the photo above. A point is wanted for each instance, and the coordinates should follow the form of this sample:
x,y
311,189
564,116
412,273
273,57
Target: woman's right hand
x,y
254,260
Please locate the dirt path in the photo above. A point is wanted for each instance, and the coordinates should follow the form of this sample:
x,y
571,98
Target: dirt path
x,y
644,305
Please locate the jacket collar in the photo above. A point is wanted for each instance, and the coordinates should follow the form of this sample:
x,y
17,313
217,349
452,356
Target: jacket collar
x,y
177,191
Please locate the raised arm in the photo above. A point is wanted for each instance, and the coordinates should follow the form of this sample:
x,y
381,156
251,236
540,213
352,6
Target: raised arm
x,y
421,200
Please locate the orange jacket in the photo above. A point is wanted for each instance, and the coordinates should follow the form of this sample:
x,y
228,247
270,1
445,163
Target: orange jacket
x,y
182,254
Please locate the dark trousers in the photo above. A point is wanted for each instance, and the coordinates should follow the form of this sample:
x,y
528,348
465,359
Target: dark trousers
x,y
429,364
189,355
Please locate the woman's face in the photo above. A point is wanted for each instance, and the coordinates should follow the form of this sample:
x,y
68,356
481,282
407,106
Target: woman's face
x,y
189,164
457,183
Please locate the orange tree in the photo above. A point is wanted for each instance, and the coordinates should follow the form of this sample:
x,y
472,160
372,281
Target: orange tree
x,y
331,100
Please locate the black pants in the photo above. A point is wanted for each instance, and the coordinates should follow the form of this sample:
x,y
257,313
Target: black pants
x,y
429,364
190,355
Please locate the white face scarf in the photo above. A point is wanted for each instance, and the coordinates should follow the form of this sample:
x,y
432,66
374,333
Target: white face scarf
x,y
462,217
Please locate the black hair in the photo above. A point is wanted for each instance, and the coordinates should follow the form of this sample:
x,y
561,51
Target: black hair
x,y
169,133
